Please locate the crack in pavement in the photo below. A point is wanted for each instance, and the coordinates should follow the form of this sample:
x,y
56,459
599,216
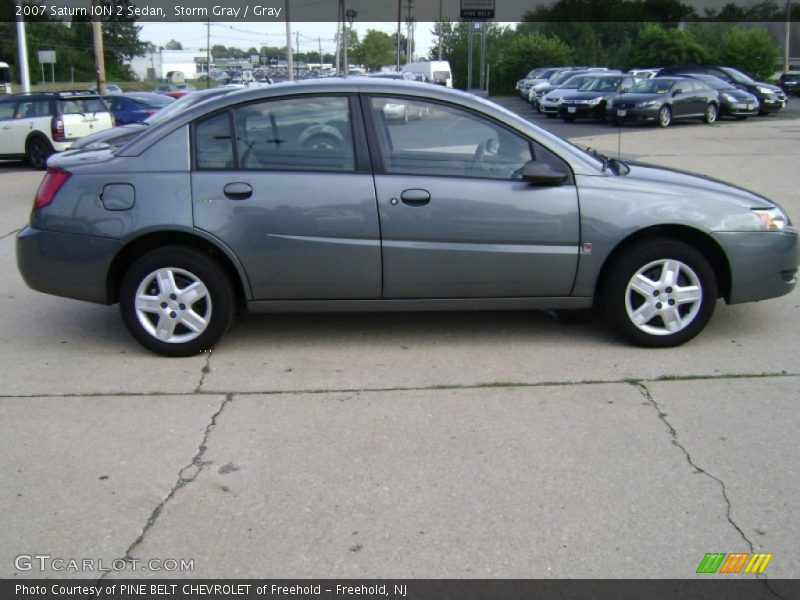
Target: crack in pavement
x,y
424,388
10,233
186,475
204,371
645,392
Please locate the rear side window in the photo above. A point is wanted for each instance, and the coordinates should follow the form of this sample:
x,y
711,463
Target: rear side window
x,y
6,110
30,109
214,143
82,106
312,133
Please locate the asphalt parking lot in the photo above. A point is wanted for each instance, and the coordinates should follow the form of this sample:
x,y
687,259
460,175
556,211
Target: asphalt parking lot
x,y
474,445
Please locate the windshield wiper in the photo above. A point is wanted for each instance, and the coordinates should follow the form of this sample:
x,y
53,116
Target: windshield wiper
x,y
614,164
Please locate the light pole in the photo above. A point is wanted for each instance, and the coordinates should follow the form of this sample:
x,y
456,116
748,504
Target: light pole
x,y
349,15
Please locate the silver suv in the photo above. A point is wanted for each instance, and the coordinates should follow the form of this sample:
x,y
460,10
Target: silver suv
x,y
34,126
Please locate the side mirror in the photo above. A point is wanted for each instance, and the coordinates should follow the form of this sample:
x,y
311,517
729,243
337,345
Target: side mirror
x,y
540,173
676,92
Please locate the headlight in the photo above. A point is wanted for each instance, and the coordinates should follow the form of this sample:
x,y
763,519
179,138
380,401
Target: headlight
x,y
728,97
550,98
596,100
764,90
647,104
771,219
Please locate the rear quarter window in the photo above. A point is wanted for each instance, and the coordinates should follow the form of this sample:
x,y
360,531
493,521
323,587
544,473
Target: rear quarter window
x,y
6,110
83,106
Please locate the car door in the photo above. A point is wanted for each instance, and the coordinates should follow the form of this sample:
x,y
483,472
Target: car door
x,y
682,98
292,197
10,142
456,219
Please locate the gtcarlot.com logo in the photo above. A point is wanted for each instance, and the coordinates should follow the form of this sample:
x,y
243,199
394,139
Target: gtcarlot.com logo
x,y
720,562
46,562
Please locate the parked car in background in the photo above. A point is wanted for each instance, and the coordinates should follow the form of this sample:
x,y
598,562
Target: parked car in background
x,y
551,101
110,89
119,136
771,98
435,71
555,80
733,101
534,77
590,99
664,99
790,80
475,208
174,90
644,73
34,126
135,107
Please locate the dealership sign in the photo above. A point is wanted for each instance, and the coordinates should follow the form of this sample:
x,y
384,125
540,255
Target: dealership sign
x,y
477,9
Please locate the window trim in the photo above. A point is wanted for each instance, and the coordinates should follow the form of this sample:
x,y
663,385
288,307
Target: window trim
x,y
376,152
362,163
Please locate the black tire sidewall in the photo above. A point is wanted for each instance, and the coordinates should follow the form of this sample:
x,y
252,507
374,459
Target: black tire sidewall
x,y
202,266
46,151
621,272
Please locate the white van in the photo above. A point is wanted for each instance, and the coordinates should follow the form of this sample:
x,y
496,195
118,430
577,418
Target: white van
x,y
435,71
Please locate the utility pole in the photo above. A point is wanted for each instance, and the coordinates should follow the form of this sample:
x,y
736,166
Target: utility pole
x,y
441,29
319,41
409,32
208,53
399,18
99,58
338,46
289,57
788,36
24,75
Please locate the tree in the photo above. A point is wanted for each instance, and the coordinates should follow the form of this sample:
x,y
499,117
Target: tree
x,y
219,51
522,53
750,50
174,45
376,50
660,47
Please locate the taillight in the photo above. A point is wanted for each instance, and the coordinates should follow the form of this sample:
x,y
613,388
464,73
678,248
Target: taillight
x,y
52,182
151,111
57,129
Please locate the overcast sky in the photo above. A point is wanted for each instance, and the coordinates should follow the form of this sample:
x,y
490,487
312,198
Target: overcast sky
x,y
256,34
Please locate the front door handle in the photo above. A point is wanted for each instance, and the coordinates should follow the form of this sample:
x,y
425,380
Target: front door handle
x,y
415,197
238,191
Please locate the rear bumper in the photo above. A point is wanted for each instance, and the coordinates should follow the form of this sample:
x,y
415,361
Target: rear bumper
x,y
65,264
763,264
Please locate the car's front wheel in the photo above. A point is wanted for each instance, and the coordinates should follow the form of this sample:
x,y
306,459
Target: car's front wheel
x,y
664,116
176,301
660,293
711,114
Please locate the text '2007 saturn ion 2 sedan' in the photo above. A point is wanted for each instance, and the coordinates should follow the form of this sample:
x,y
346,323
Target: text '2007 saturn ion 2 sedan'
x,y
306,197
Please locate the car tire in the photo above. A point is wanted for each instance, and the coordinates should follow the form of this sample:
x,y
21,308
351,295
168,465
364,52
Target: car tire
x,y
37,150
712,114
664,116
176,301
660,293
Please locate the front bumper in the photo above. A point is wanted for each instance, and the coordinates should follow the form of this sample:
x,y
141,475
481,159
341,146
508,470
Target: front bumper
x,y
66,264
549,107
738,109
633,114
763,263
581,111
772,103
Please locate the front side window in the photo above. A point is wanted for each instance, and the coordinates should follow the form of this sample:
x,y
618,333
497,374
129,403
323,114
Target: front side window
x,y
310,133
425,138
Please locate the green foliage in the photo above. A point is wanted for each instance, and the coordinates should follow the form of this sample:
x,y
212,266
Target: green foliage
x,y
521,53
751,51
657,46
376,50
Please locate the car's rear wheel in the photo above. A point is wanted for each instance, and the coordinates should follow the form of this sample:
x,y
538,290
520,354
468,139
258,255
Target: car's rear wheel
x,y
176,301
660,293
711,114
37,150
664,116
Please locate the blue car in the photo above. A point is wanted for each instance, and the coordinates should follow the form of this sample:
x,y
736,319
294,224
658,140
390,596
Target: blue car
x,y
135,107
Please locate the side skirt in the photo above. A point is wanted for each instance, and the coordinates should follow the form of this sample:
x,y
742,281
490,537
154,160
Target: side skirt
x,y
561,303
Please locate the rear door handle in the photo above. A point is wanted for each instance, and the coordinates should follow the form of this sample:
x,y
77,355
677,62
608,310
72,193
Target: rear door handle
x,y
238,191
415,197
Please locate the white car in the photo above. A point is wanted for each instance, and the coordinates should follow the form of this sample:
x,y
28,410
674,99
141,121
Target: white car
x,y
551,101
34,126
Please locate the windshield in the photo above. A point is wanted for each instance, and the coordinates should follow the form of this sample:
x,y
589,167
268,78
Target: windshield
x,y
601,84
577,81
560,78
653,86
738,76
715,82
179,105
